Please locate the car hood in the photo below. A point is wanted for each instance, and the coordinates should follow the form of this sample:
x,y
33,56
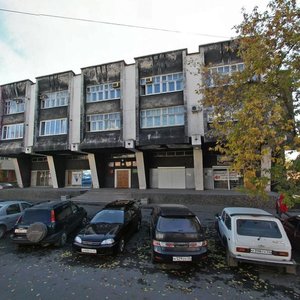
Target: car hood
x,y
100,231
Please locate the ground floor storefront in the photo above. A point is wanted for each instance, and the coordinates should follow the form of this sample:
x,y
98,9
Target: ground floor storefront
x,y
192,168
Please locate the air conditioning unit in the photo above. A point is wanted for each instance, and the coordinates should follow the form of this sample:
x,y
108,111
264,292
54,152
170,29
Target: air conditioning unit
x,y
148,79
196,108
116,84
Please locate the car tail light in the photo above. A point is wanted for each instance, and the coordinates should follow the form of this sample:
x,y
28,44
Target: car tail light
x,y
163,244
280,253
242,249
52,216
198,244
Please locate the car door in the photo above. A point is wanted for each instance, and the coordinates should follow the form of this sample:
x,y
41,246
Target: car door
x,y
225,227
128,223
13,212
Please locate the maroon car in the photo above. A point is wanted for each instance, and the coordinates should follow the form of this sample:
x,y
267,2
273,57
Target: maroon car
x,y
292,228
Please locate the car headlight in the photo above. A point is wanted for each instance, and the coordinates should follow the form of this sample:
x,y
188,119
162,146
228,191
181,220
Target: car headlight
x,y
78,240
108,242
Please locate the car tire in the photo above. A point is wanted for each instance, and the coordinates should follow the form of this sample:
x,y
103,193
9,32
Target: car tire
x,y
62,240
138,225
231,262
36,232
84,221
153,260
2,231
121,245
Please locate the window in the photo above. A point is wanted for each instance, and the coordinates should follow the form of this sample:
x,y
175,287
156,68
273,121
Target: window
x,y
53,127
224,70
162,117
55,99
14,106
13,209
103,122
258,228
14,131
103,92
178,224
161,84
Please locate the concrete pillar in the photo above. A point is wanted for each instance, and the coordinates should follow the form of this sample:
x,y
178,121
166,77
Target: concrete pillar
x,y
198,169
22,166
139,155
93,168
18,172
266,163
52,170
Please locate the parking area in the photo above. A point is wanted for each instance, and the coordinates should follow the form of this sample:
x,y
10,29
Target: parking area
x,y
51,272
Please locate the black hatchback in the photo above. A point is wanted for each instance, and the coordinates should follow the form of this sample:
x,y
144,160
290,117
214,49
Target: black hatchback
x,y
176,235
48,223
109,229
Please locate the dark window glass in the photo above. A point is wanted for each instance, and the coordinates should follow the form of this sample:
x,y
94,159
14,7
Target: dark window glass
x,y
36,215
109,216
259,228
25,205
13,209
172,224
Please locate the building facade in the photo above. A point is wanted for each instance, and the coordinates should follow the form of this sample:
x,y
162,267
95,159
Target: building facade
x,y
118,125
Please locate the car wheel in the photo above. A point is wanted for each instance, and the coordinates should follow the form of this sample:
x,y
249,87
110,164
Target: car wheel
x,y
2,231
230,260
121,245
36,232
153,260
62,240
138,225
84,221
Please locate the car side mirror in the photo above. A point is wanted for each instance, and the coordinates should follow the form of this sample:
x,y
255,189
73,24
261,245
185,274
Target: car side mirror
x,y
217,216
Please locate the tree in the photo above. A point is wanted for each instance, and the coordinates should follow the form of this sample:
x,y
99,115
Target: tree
x,y
256,109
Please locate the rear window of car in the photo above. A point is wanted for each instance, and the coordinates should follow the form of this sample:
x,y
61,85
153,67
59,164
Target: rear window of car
x,y
111,216
36,215
175,224
259,228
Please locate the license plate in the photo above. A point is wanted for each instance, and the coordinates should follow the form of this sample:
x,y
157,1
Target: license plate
x,y
20,230
261,251
84,250
182,258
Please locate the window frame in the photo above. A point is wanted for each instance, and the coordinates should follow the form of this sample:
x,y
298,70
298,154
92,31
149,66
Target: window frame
x,y
49,127
48,101
159,113
161,84
106,89
105,119
10,104
18,133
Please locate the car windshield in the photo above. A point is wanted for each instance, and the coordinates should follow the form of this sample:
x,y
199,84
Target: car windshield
x,y
177,224
259,228
36,215
109,216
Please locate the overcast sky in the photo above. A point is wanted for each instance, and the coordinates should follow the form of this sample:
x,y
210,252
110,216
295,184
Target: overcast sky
x,y
33,46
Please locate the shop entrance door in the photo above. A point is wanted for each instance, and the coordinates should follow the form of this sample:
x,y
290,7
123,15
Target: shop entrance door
x,y
122,179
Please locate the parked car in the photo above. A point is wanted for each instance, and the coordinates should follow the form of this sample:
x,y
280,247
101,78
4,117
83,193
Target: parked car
x,y
10,212
292,228
255,236
48,223
176,235
109,229
6,185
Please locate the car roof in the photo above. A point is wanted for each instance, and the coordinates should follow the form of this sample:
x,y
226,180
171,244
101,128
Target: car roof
x,y
50,204
174,210
119,204
246,211
8,202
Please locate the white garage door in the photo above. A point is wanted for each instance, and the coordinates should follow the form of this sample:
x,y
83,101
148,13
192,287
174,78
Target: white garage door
x,y
171,178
